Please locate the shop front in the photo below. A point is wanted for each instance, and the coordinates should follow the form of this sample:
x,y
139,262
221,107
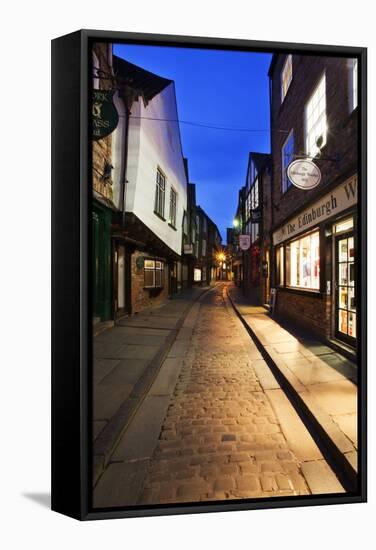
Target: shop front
x,y
315,266
101,261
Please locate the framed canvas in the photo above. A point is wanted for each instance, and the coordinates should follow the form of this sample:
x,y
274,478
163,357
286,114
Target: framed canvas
x,y
208,275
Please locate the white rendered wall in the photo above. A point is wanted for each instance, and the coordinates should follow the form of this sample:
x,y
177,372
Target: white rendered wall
x,y
156,144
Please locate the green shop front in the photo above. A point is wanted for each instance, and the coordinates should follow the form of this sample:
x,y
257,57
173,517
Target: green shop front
x,y
101,261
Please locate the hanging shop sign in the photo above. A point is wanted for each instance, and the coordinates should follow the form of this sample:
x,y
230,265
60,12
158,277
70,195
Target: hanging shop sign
x,y
244,242
339,199
304,174
188,249
104,113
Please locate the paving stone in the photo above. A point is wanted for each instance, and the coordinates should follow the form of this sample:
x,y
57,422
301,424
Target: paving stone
x,y
248,483
224,484
220,434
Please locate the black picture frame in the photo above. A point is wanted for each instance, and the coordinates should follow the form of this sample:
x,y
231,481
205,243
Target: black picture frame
x,y
71,290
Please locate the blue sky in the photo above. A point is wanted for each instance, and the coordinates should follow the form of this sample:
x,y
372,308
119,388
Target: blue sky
x,y
220,88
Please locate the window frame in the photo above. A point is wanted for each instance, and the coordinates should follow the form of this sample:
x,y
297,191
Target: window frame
x,y
287,263
316,150
173,208
160,194
154,269
285,87
353,84
286,182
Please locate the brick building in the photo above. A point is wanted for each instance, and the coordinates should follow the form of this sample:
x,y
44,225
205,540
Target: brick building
x,y
207,247
257,224
253,217
314,115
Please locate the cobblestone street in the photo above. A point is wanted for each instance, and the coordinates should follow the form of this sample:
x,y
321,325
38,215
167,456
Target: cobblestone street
x,y
220,438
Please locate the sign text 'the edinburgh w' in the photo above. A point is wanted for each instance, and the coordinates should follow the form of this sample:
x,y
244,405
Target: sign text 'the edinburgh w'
x,y
105,115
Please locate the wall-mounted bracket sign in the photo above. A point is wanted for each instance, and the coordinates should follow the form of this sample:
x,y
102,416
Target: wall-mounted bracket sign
x,y
304,174
105,116
244,242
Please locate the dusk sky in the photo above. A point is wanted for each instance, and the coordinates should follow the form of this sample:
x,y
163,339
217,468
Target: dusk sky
x,y
220,88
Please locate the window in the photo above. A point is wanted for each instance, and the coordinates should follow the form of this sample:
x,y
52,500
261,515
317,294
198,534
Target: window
x,y
248,207
286,77
280,266
203,248
303,262
197,274
254,172
315,119
353,84
255,231
185,223
205,225
95,72
173,201
160,187
287,157
153,274
256,195
345,225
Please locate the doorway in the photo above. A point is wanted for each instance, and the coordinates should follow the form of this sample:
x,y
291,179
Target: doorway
x,y
345,288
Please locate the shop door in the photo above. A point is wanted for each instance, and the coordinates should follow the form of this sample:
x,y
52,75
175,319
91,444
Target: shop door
x,y
345,288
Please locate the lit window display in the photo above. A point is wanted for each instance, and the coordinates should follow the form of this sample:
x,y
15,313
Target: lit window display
x,y
197,274
305,262
346,287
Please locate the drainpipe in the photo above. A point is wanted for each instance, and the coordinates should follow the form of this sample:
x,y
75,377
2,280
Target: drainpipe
x,y
124,169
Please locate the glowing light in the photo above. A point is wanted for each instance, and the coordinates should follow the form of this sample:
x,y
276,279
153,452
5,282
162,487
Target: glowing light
x,y
235,223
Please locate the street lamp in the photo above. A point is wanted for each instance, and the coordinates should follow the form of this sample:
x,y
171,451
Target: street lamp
x,y
235,223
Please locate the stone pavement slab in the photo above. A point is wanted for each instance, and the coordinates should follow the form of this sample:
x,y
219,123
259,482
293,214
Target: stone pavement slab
x,y
127,357
215,424
322,377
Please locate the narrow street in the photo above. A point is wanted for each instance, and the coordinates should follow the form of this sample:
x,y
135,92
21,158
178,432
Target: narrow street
x,y
225,429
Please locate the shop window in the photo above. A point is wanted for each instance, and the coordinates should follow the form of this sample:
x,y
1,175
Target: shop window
x,y
197,274
160,187
315,120
287,158
173,201
153,274
346,287
280,266
303,262
286,76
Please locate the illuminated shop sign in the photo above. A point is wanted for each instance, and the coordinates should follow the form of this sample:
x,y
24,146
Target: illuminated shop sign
x,y
342,197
